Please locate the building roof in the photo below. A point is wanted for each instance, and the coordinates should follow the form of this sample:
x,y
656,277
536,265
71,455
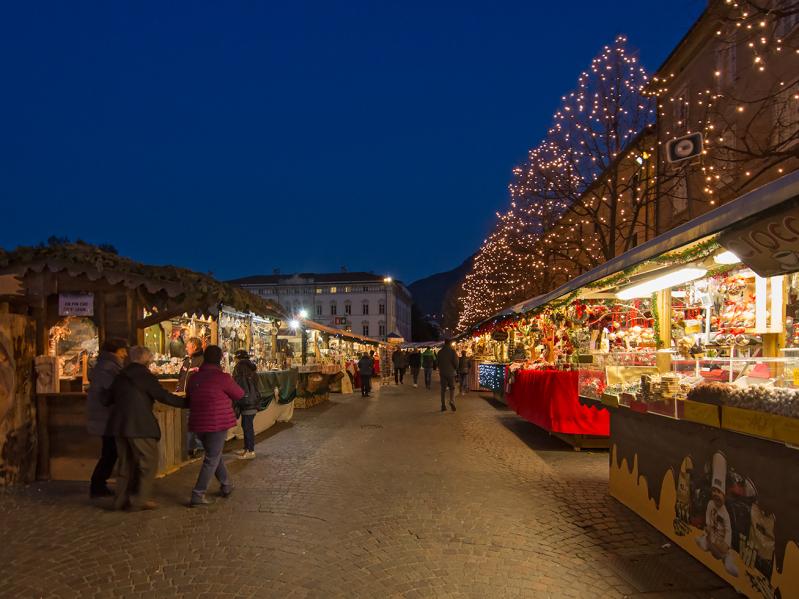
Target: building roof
x,y
310,278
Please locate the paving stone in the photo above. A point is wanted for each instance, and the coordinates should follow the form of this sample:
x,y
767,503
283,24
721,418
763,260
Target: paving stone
x,y
382,497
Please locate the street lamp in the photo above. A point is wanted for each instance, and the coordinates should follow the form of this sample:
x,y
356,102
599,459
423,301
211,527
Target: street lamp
x,y
304,314
387,281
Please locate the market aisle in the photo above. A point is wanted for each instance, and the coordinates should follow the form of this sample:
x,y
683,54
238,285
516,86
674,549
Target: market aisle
x,y
361,498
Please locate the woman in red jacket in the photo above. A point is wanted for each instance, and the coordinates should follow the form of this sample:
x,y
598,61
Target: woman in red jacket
x,y
210,395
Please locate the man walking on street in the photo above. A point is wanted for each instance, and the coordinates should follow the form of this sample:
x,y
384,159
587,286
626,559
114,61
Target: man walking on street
x,y
366,366
447,370
429,364
136,429
415,362
109,364
211,394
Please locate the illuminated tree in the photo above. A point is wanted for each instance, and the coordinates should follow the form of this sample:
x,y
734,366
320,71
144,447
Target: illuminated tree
x,y
575,202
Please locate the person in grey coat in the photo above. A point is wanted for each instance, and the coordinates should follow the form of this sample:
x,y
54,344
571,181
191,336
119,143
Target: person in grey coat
x,y
447,371
110,362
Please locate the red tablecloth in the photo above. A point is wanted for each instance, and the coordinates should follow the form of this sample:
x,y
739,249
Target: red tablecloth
x,y
549,399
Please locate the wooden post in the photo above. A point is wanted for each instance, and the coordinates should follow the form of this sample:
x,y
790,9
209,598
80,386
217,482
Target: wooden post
x,y
663,304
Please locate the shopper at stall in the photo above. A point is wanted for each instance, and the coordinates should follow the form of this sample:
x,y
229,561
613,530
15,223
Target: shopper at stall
x,y
109,364
464,369
191,363
429,364
244,373
415,363
136,429
447,370
366,369
211,394
177,347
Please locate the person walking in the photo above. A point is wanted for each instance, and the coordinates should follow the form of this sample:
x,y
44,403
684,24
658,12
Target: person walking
x,y
395,362
429,364
464,369
244,373
447,370
191,364
210,395
366,367
109,364
402,365
136,429
415,363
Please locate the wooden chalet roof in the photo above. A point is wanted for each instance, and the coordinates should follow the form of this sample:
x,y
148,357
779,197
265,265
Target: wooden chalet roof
x,y
85,260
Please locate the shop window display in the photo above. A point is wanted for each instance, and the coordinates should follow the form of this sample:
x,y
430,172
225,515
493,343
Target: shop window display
x,y
75,343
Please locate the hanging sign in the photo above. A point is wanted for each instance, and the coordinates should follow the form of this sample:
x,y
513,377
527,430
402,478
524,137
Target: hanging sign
x,y
769,242
499,336
76,304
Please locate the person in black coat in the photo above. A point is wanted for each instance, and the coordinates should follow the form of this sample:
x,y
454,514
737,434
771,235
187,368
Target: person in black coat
x,y
366,368
244,373
415,362
135,427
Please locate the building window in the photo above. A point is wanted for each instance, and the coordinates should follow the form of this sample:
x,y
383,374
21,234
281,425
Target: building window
x,y
318,309
382,329
726,65
333,290
348,309
365,308
318,291
333,309
366,330
348,290
381,308
365,289
680,110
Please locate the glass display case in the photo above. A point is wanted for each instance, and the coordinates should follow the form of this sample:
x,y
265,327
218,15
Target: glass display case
x,y
614,376
740,393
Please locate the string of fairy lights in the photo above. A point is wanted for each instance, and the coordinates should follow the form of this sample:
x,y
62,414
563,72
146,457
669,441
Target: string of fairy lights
x,y
587,191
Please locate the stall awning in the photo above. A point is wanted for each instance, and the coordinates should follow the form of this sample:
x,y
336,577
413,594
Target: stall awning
x,y
340,333
760,199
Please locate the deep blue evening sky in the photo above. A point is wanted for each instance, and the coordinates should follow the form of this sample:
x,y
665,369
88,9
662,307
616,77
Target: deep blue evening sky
x,y
237,137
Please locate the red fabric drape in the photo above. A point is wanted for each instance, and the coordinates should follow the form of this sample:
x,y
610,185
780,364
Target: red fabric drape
x,y
549,399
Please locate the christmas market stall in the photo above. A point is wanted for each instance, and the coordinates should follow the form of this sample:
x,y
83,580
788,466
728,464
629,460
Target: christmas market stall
x,y
73,297
528,360
690,343
333,354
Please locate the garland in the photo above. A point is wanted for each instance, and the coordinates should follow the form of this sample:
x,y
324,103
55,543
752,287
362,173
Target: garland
x,y
656,321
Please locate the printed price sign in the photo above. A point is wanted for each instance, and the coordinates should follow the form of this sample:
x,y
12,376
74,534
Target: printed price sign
x,y
76,304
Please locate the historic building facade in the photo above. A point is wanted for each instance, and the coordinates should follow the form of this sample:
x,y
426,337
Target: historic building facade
x,y
360,302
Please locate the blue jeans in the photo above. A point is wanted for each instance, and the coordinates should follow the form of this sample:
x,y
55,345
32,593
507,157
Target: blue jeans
x,y
247,425
428,377
213,464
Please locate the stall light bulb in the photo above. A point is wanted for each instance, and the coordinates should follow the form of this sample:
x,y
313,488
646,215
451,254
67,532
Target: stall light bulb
x,y
294,324
726,258
672,279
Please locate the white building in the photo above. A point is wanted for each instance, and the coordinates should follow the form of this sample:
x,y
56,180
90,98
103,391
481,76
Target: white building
x,y
360,302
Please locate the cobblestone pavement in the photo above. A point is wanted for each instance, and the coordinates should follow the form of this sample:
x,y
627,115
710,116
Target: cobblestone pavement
x,y
381,497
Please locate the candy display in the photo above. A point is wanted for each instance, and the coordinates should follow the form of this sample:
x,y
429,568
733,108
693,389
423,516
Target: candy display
x,y
772,400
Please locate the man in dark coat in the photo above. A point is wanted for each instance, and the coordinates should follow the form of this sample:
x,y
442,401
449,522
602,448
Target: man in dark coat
x,y
244,373
136,429
112,357
415,362
447,370
191,364
366,366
